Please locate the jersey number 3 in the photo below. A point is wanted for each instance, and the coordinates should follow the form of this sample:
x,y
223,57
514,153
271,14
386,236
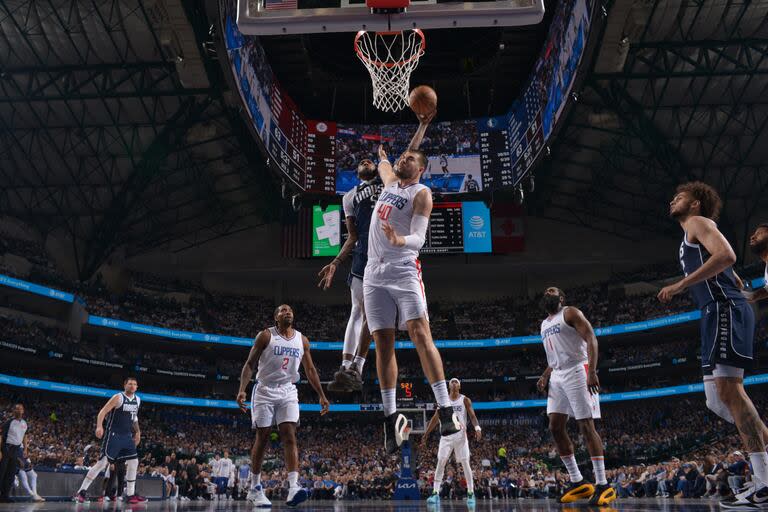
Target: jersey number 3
x,y
384,211
285,363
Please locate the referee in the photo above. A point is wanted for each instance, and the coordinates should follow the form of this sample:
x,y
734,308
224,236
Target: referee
x,y
13,432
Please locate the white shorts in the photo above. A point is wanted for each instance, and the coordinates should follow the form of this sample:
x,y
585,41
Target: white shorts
x,y
273,405
568,394
394,293
455,443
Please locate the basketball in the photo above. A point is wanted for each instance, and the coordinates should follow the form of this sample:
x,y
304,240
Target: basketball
x,y
423,100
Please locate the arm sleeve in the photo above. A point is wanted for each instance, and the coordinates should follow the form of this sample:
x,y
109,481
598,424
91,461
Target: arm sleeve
x,y
418,235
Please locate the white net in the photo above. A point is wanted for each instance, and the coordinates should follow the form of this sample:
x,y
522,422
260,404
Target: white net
x,y
390,58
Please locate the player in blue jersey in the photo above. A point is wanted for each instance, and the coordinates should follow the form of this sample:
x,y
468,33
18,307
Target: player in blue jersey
x,y
358,206
727,326
120,439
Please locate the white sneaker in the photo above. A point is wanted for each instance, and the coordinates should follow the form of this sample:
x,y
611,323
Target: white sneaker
x,y
257,497
296,495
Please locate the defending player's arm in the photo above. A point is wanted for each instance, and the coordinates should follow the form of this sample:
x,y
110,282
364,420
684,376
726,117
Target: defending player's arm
x,y
111,404
422,208
757,295
261,342
136,432
473,418
576,319
432,425
312,376
722,256
326,274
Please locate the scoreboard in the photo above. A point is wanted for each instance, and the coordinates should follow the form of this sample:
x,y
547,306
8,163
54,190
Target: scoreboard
x,y
495,159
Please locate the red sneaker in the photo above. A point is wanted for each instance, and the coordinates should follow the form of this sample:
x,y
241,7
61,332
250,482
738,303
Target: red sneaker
x,y
136,499
100,499
80,497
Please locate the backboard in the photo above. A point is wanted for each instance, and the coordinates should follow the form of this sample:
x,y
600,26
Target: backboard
x,y
276,17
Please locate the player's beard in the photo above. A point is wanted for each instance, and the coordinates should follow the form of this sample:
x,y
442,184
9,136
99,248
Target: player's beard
x,y
760,247
677,215
550,303
367,175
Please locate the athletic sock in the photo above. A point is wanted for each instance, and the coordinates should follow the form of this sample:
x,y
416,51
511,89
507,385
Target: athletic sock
x,y
759,461
598,466
346,363
440,389
572,467
131,467
360,362
388,400
255,480
293,479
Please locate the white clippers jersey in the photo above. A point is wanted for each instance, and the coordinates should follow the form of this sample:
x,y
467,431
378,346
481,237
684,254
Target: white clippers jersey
x,y
460,410
279,363
564,345
395,205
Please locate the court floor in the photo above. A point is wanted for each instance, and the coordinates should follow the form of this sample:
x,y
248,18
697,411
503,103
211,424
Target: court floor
x,y
627,505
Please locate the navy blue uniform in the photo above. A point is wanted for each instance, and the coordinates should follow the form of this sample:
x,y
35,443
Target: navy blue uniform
x,y
727,320
118,437
364,200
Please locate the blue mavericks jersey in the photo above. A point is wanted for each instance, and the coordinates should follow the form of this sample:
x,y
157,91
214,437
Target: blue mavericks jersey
x,y
363,203
122,417
720,288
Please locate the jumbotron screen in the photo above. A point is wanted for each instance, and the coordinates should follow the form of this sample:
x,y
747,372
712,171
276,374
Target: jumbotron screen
x,y
454,227
473,155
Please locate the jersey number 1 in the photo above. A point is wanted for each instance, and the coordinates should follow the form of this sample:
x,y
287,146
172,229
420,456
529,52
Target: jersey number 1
x,y
384,211
285,363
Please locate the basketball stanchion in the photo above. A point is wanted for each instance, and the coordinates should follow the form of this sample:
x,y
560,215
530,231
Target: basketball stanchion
x,y
406,487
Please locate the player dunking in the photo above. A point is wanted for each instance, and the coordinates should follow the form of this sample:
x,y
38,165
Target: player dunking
x,y
392,286
277,353
358,206
120,439
455,443
727,326
572,387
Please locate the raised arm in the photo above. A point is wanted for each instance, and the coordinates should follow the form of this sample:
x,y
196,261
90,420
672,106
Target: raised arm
x,y
111,404
473,418
259,345
312,376
386,173
576,319
722,256
421,130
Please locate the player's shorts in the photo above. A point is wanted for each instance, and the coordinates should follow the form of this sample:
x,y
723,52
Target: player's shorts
x,y
273,405
119,447
394,293
568,394
455,443
727,336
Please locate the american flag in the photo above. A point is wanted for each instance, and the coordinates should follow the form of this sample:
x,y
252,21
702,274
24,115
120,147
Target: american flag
x,y
275,5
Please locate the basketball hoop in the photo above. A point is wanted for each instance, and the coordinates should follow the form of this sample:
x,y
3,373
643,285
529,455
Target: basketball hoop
x,y
390,58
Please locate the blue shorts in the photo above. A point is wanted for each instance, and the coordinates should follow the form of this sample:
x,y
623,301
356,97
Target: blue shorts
x,y
727,335
118,447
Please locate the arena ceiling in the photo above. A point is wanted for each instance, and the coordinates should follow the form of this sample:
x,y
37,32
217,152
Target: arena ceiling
x,y
117,128
678,90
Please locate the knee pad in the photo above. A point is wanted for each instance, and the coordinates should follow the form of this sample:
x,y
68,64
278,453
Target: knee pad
x,y
714,403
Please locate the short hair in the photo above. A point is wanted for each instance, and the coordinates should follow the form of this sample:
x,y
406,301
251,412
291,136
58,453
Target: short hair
x,y
130,377
706,195
762,226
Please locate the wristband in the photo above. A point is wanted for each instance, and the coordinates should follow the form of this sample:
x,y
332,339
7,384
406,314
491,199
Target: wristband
x,y
477,428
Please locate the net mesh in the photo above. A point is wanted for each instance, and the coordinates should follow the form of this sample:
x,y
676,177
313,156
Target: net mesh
x,y
390,58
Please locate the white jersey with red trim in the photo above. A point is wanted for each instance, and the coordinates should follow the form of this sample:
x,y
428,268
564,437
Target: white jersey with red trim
x,y
395,205
279,363
564,345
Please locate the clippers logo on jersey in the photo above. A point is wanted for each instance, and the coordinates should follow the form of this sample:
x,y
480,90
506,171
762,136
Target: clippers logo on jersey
x,y
287,351
555,329
395,200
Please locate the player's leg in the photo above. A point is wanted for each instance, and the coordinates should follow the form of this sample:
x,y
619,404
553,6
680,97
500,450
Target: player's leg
x,y
121,470
131,469
296,494
349,378
444,451
90,476
381,313
461,450
108,481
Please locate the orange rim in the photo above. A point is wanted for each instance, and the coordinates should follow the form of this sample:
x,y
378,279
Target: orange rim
x,y
380,64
